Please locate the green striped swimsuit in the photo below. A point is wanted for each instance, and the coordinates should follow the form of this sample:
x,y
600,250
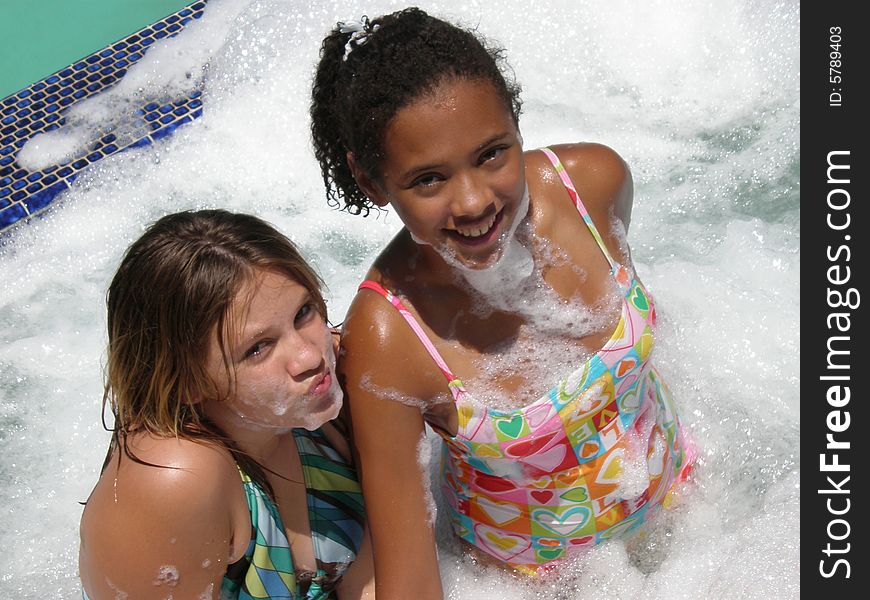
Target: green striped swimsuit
x,y
336,515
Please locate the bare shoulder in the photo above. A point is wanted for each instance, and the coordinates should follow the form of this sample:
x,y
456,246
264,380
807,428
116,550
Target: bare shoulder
x,y
380,351
177,511
602,178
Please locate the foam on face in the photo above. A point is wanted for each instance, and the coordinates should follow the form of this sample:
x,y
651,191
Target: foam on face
x,y
702,101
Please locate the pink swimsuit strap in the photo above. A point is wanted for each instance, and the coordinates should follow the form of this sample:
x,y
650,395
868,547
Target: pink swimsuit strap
x,y
453,382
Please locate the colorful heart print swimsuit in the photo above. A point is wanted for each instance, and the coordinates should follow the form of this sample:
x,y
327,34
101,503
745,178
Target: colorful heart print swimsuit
x,y
536,484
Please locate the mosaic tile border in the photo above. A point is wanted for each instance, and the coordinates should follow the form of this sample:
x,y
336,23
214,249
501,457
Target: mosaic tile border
x,y
39,107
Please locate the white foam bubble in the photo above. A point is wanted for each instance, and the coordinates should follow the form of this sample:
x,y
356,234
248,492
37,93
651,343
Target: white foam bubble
x,y
167,575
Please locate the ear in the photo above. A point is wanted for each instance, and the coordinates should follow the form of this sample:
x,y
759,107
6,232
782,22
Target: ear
x,y
369,186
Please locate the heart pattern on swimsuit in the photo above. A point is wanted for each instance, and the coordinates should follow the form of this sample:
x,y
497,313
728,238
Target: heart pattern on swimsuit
x,y
502,545
569,522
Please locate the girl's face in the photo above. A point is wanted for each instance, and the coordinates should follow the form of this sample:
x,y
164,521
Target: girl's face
x,y
454,171
282,356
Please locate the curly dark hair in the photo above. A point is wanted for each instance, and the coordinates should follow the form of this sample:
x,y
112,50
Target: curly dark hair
x,y
355,97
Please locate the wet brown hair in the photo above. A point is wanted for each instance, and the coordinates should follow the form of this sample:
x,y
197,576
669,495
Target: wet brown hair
x,y
174,287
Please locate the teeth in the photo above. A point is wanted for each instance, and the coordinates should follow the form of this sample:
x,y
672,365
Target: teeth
x,y
474,233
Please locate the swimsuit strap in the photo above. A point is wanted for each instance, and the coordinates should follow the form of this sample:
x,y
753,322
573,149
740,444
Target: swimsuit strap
x,y
453,382
575,198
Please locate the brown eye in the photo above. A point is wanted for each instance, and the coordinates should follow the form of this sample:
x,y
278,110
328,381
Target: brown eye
x,y
256,350
304,311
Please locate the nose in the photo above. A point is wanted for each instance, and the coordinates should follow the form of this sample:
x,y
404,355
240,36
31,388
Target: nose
x,y
473,199
304,357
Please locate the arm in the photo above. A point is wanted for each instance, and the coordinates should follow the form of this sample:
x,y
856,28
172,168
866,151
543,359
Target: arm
x,y
149,531
386,434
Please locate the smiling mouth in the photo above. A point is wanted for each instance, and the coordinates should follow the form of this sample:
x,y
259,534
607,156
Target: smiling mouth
x,y
478,234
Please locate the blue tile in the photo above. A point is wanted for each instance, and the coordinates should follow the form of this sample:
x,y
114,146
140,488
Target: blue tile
x,y
94,87
181,110
52,79
134,38
17,196
108,80
106,52
51,90
110,148
172,18
174,28
135,48
147,41
145,141
9,110
7,120
52,118
135,56
121,64
9,100
38,96
37,115
22,113
66,72
17,185
7,149
24,93
108,139
165,119
93,68
160,35
158,26
119,55
42,199
93,77
11,214
5,181
165,108
80,164
80,94
23,104
3,203
5,191
33,188
65,172
49,179
92,59
34,177
40,85
51,169
6,160
79,66
185,12
152,106
66,91
95,156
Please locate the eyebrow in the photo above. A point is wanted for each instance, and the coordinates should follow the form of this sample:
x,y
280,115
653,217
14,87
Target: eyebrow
x,y
409,174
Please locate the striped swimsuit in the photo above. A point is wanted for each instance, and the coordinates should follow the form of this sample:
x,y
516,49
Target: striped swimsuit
x,y
336,515
536,484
